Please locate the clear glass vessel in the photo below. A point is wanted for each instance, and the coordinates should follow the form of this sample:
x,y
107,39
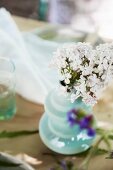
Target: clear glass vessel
x,y
7,89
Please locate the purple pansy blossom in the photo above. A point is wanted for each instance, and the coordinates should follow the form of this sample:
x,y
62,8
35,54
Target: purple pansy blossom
x,y
91,132
72,117
85,122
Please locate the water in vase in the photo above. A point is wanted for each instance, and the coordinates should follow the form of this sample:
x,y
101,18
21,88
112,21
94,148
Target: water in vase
x,y
7,102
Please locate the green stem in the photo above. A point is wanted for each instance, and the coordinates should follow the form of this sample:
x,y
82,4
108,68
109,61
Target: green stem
x,y
14,134
104,137
85,163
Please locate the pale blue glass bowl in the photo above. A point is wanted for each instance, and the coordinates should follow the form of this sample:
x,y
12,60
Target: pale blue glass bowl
x,y
54,129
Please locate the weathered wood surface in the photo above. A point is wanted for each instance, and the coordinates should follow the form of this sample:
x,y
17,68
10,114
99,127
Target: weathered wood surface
x,y
27,118
26,24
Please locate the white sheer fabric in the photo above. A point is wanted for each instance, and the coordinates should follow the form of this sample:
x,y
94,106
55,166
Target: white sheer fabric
x,y
31,56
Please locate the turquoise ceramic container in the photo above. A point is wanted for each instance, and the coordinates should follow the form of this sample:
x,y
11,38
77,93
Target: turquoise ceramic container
x,y
54,130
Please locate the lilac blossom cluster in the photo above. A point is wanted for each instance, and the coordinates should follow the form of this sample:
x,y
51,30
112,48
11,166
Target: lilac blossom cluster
x,y
84,71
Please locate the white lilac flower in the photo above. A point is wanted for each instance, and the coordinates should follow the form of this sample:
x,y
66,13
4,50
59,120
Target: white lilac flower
x,y
67,81
85,71
93,80
89,100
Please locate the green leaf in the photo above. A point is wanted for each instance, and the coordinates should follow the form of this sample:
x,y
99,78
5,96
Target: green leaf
x,y
110,136
14,134
106,136
100,151
110,155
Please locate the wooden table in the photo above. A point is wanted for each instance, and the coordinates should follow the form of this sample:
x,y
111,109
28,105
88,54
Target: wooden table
x,y
28,116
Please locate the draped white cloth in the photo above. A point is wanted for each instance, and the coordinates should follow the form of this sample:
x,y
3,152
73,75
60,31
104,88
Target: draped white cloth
x,y
31,56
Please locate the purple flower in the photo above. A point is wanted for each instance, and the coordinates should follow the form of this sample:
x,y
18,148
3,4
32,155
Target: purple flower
x,y
86,121
91,132
64,165
72,117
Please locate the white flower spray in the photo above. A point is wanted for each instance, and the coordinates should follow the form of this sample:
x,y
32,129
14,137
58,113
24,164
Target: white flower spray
x,y
85,72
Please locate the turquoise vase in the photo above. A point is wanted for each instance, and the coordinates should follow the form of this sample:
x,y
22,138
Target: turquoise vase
x,y
54,129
